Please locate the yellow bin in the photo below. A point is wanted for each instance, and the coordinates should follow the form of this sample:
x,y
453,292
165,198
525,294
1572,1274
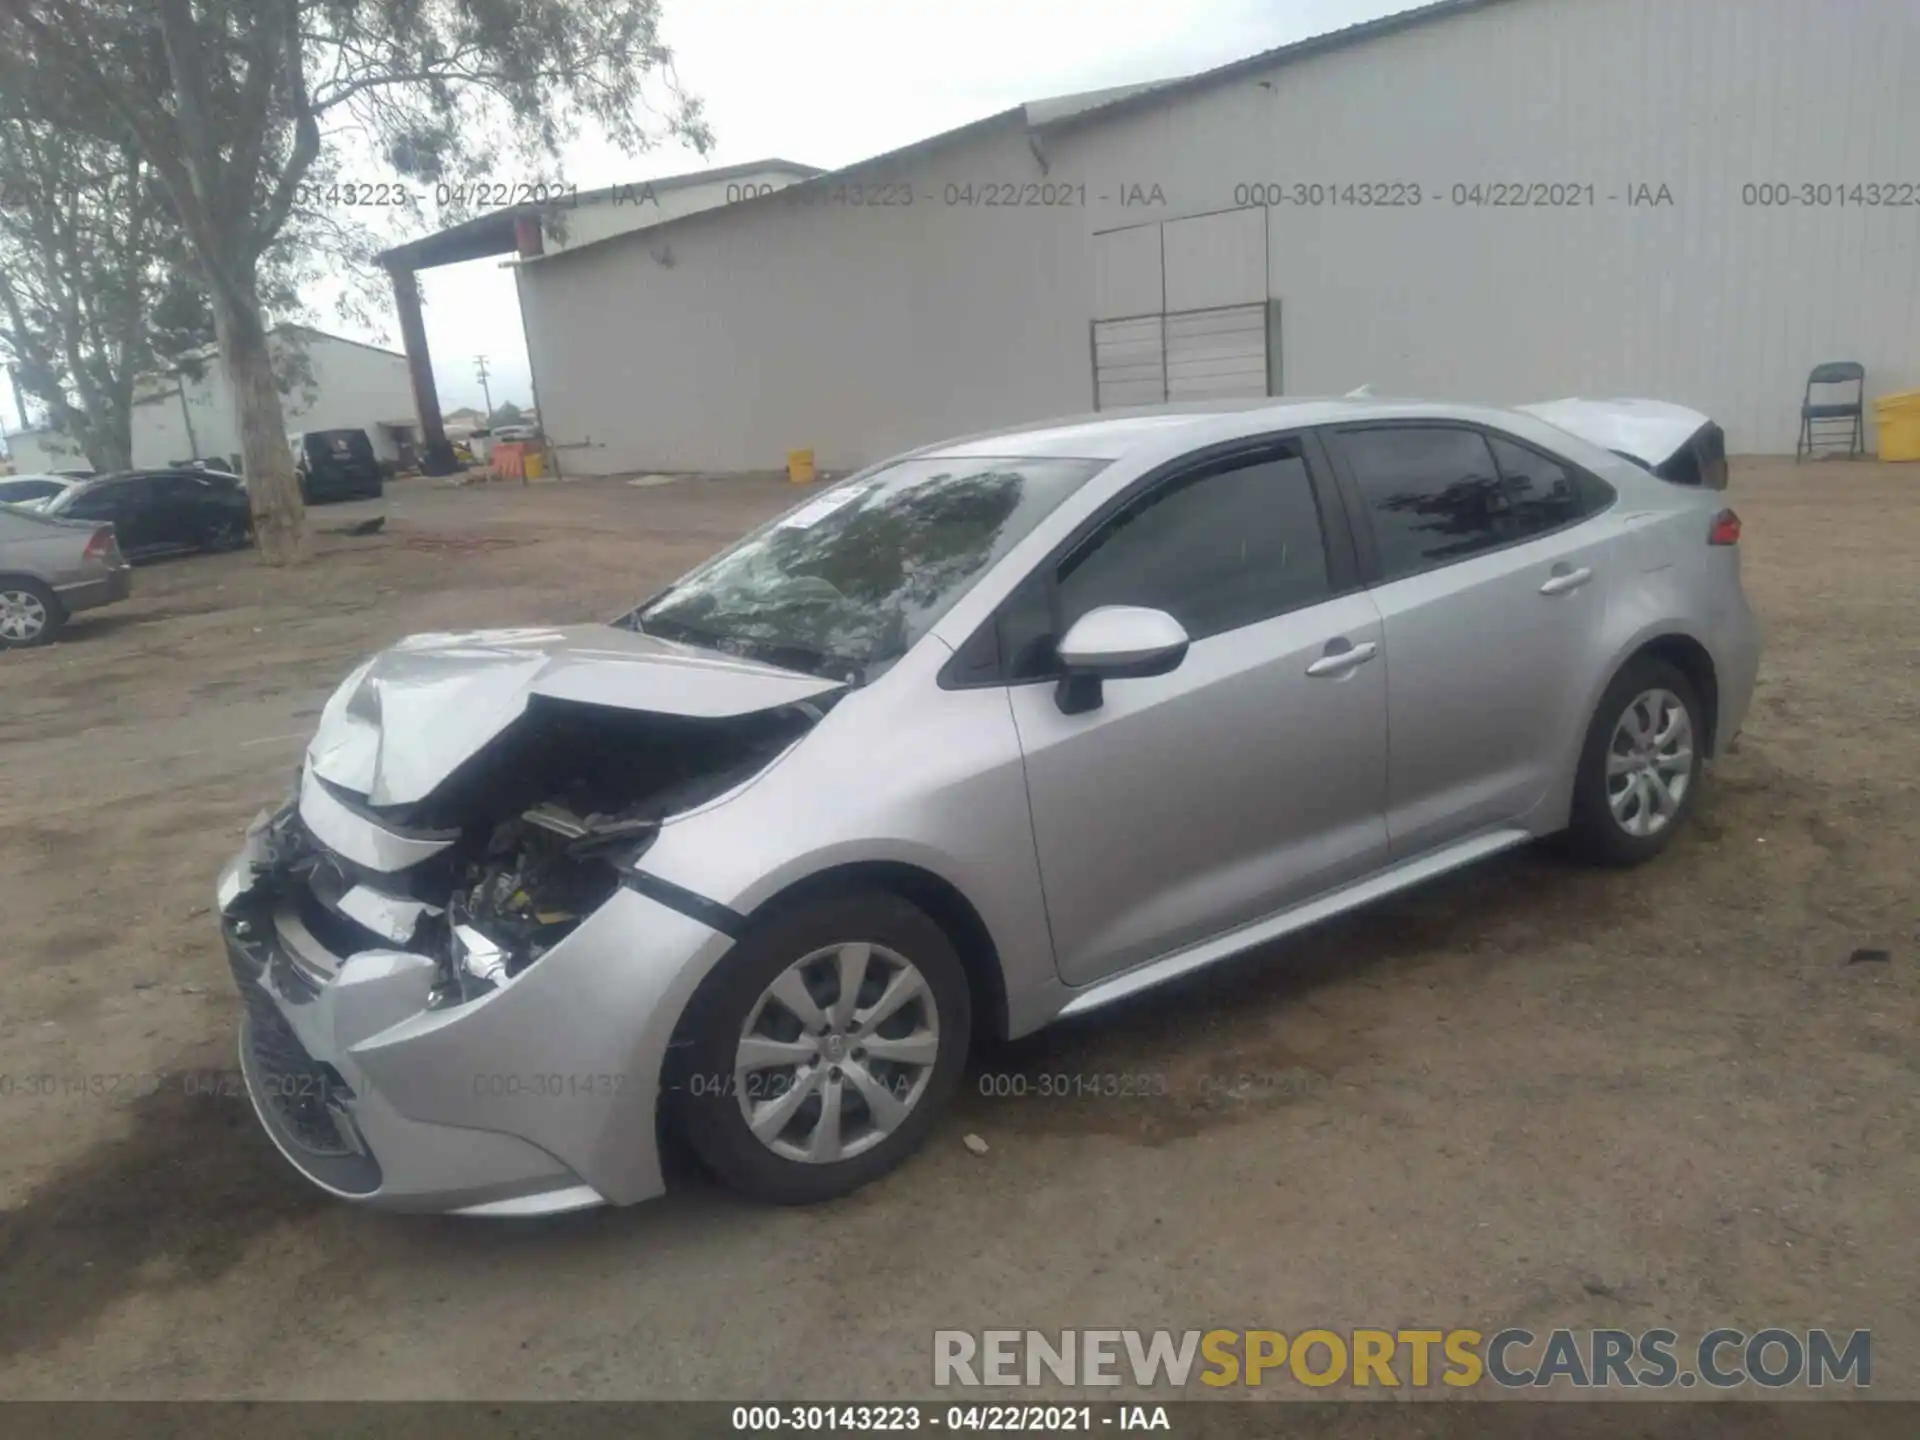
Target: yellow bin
x,y
1897,419
800,467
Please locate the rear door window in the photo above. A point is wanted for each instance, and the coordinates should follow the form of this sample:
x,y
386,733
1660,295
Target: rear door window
x,y
1433,494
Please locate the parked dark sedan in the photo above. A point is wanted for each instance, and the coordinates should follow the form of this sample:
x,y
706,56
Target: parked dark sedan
x,y
160,512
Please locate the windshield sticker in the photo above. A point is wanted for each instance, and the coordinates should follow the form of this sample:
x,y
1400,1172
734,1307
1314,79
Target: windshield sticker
x,y
814,511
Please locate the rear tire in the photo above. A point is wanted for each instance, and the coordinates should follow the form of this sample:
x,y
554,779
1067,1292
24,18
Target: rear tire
x,y
223,535
1641,766
30,614
807,1079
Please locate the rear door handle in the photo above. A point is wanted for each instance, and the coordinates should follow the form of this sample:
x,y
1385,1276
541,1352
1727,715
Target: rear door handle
x,y
1562,580
1343,661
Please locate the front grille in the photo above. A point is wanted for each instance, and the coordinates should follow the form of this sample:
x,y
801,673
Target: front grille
x,y
302,1092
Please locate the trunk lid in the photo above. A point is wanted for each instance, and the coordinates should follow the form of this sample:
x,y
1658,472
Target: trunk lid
x,y
1650,431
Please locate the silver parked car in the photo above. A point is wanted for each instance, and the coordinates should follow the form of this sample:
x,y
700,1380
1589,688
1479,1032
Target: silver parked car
x,y
33,492
1001,730
51,568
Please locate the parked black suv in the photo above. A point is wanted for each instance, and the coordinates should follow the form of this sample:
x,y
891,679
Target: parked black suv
x,y
336,465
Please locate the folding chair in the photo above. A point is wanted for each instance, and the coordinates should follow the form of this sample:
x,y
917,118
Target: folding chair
x,y
1828,419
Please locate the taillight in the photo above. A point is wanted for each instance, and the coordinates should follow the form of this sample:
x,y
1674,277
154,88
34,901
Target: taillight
x,y
1726,529
100,545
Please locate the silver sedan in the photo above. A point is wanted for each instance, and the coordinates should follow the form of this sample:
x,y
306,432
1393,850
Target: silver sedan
x,y
1001,730
50,569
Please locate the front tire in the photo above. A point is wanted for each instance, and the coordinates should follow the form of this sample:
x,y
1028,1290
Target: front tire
x,y
823,1048
30,614
1641,766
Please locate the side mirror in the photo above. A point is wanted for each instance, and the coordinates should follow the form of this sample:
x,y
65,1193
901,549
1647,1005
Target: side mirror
x,y
1116,642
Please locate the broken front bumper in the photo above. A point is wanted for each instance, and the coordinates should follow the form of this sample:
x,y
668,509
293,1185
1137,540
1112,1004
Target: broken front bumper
x,y
536,1098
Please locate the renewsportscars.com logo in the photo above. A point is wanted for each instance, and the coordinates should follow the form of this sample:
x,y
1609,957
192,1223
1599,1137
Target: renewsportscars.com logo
x,y
1398,1359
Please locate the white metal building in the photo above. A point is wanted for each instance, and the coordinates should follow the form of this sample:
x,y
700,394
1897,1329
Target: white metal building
x,y
1500,200
189,414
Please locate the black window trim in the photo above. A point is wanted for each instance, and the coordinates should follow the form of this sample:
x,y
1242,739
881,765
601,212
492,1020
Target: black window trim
x,y
981,650
1360,516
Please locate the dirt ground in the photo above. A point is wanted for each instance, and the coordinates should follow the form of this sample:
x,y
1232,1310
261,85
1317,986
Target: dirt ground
x,y
1531,1095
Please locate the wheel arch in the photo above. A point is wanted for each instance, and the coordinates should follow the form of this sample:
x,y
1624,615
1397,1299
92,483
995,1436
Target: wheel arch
x,y
1692,659
943,902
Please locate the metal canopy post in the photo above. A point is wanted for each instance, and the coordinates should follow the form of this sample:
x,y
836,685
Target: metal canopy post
x,y
436,455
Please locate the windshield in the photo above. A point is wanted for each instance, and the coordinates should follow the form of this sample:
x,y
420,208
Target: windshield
x,y
845,584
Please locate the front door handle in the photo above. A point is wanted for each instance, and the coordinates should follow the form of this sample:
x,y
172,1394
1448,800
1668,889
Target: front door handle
x,y
1343,661
1562,580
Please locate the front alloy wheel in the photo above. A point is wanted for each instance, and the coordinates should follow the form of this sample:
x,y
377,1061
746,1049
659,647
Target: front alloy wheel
x,y
837,1053
818,1054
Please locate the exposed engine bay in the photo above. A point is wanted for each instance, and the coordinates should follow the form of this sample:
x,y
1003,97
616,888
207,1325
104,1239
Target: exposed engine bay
x,y
535,832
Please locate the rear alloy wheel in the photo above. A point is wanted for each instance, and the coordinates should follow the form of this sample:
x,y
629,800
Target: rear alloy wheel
x,y
1640,768
1650,762
825,1045
30,614
224,534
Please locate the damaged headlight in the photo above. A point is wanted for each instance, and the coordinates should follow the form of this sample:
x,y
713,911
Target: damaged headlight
x,y
479,956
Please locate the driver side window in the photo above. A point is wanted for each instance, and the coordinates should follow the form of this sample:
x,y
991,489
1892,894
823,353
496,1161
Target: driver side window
x,y
1218,548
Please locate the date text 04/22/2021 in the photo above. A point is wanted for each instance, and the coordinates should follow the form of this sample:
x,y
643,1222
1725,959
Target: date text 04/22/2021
x,y
990,1419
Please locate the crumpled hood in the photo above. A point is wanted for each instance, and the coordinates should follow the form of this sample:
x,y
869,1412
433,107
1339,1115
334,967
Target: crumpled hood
x,y
406,719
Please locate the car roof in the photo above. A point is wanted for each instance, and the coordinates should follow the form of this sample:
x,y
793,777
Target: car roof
x,y
1111,434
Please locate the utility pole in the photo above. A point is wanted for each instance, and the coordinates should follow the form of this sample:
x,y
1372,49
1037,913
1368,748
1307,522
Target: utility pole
x,y
19,400
480,367
180,389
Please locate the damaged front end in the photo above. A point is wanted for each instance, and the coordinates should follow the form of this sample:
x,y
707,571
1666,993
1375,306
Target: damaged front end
x,y
539,875
503,859
349,921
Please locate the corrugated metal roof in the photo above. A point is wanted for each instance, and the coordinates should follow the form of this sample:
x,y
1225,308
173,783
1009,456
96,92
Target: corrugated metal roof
x,y
1267,59
493,232
1057,112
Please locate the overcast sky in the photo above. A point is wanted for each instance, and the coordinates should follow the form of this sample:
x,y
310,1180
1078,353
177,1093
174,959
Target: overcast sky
x,y
835,81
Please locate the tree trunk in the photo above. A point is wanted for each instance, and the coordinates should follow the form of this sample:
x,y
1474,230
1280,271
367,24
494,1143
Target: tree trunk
x,y
107,452
279,516
106,433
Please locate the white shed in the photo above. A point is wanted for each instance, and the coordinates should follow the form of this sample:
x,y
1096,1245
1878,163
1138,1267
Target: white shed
x,y
327,383
1498,200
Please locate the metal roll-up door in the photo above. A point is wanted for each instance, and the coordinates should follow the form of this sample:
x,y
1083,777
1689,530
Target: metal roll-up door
x,y
1129,362
1218,354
